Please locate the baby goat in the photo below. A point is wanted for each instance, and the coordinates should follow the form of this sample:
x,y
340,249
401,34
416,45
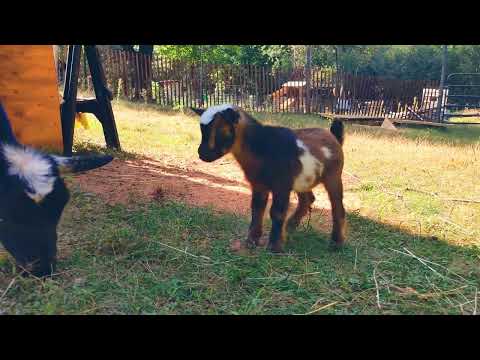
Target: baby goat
x,y
278,160
32,199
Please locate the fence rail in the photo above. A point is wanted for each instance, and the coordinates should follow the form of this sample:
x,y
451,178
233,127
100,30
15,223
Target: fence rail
x,y
178,84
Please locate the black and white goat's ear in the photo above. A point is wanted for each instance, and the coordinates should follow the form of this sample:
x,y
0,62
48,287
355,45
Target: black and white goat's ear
x,y
75,164
231,115
6,133
197,111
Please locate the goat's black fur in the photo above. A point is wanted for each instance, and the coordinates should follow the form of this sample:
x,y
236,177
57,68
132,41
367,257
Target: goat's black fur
x,y
28,224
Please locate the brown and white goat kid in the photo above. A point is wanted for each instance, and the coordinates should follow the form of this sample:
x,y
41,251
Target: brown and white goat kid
x,y
278,160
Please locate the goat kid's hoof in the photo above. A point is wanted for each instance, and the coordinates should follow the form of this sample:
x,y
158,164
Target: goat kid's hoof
x,y
262,241
335,246
238,246
275,248
292,226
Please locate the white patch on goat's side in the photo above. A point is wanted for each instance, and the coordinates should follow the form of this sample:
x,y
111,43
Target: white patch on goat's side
x,y
311,168
209,114
33,168
326,152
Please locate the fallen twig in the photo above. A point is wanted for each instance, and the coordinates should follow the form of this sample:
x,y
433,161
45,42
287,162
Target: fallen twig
x,y
284,276
460,228
476,301
425,261
443,198
421,191
355,264
462,200
352,175
185,252
8,288
376,287
321,308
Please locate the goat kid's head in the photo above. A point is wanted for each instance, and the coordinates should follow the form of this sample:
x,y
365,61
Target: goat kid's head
x,y
217,124
32,199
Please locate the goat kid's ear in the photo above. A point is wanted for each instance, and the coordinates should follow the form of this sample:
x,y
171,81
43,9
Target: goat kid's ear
x,y
199,112
75,164
231,116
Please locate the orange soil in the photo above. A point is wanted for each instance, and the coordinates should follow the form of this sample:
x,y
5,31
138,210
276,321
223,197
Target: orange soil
x,y
220,184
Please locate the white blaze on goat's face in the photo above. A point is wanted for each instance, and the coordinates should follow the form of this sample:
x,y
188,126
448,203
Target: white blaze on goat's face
x,y
31,167
209,114
311,170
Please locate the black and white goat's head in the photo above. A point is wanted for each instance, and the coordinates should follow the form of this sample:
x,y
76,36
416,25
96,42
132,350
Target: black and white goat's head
x,y
32,198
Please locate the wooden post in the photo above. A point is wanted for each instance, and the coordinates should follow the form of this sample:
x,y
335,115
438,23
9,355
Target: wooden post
x,y
68,106
100,106
103,97
442,84
308,79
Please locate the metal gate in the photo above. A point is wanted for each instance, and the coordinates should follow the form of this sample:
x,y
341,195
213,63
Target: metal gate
x,y
463,95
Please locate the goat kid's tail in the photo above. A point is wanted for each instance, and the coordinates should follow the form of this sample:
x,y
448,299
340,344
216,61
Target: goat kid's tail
x,y
6,132
337,129
75,164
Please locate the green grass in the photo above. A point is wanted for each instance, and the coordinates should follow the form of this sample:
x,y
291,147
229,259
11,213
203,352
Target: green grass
x,y
173,259
472,119
170,258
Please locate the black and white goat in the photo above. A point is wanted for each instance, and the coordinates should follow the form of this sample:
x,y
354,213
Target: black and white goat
x,y
32,199
278,160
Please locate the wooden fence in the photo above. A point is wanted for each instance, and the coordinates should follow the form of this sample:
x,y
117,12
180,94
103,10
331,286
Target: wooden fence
x,y
178,84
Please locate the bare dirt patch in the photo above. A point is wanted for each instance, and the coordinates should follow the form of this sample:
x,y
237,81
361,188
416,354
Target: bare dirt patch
x,y
220,185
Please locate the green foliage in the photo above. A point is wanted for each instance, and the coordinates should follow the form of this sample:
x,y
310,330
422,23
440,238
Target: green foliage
x,y
395,61
214,54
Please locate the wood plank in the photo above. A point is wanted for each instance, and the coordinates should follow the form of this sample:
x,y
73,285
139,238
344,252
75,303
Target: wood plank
x,y
421,123
29,93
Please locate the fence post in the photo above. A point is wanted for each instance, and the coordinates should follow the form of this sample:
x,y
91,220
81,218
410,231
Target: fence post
x,y
308,79
442,82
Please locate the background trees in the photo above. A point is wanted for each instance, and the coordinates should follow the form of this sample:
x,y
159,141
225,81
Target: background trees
x,y
396,61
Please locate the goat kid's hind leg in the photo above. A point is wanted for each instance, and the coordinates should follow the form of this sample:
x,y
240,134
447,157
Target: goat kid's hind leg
x,y
334,188
258,205
278,213
305,201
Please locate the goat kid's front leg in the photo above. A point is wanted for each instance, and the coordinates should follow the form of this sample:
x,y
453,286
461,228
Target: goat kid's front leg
x,y
305,201
258,205
278,213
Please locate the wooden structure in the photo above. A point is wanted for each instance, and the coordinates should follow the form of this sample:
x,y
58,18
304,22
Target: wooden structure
x,y
380,120
100,106
29,93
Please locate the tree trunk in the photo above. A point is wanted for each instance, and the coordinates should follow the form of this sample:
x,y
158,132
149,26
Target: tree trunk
x,y
145,67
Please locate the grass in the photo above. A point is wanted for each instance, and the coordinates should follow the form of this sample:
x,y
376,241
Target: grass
x,y
472,120
411,250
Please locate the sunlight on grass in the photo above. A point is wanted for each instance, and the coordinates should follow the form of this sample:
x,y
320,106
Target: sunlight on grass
x,y
440,162
413,243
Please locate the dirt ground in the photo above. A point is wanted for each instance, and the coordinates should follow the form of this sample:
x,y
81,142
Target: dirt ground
x,y
220,185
